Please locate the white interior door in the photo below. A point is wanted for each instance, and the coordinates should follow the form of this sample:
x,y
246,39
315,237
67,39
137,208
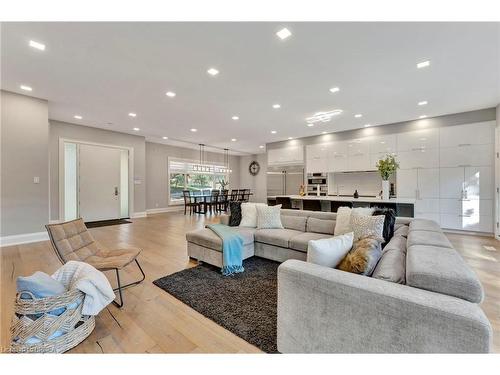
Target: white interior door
x,y
99,182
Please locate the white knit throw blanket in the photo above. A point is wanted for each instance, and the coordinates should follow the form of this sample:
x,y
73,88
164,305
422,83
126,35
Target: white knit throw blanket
x,y
84,277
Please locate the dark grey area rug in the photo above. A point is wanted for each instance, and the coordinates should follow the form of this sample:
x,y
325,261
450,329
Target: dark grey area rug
x,y
244,303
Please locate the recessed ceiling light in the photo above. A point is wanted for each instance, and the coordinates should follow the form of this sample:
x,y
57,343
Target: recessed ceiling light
x,y
233,139
358,115
334,89
273,131
194,130
131,114
284,33
276,106
423,64
165,137
422,116
323,132
78,117
136,129
212,71
37,45
261,146
423,102
170,94
235,118
290,138
310,124
367,125
26,88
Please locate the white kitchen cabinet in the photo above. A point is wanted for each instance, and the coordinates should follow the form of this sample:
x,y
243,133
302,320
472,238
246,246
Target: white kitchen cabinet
x,y
418,158
286,155
469,134
467,155
317,158
337,157
418,139
406,183
468,214
451,182
359,155
478,183
383,144
428,183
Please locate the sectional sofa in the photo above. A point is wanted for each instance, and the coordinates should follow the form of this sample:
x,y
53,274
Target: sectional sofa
x,y
432,308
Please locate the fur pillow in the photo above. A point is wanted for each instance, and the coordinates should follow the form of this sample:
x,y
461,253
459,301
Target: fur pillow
x,y
363,257
235,214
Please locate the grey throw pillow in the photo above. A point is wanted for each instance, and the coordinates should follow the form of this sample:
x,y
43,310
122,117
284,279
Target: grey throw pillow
x,y
269,217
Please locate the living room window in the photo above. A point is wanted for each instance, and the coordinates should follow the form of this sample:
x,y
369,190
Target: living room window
x,y
189,175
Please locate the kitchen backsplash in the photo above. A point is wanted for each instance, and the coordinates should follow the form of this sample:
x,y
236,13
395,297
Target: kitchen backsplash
x,y
367,183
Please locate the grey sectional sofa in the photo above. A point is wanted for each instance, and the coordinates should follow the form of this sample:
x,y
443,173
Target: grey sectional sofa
x,y
432,308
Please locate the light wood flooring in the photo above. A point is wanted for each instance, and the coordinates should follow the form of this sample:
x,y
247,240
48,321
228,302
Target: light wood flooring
x,y
152,321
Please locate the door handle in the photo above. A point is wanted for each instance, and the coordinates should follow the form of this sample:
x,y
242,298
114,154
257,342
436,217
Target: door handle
x,y
116,190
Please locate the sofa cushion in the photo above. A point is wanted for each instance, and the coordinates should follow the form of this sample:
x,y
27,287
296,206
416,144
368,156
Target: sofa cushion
x,y
392,264
320,226
402,230
424,224
301,241
424,237
207,238
294,222
277,237
442,270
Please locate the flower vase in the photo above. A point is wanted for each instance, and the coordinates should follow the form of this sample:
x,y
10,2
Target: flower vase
x,y
385,189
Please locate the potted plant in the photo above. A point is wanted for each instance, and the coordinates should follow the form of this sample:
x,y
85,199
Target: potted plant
x,y
387,167
223,184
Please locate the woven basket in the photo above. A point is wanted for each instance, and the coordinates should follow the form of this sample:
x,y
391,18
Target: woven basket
x,y
31,320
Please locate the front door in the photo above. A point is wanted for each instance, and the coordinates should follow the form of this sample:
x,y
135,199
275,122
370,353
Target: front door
x,y
99,182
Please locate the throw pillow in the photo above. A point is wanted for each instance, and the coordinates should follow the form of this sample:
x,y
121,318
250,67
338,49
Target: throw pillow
x,y
343,221
365,226
249,214
269,217
235,214
389,221
363,257
329,252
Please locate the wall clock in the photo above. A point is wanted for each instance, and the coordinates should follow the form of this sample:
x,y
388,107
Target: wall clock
x,y
254,168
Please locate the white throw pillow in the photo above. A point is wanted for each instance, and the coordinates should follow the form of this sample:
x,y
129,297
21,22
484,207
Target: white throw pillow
x,y
364,226
249,214
343,219
329,252
269,217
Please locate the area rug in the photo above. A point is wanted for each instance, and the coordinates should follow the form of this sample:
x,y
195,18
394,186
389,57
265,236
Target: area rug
x,y
244,303
105,223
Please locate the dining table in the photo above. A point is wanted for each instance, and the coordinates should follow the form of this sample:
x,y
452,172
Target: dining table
x,y
203,200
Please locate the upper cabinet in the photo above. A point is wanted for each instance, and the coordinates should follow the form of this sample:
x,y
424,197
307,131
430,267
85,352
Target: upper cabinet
x,y
317,158
383,144
337,157
286,156
358,151
418,140
465,135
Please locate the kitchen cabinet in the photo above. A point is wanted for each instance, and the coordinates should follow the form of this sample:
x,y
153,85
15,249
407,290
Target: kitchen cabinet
x,y
286,156
359,155
467,155
383,144
466,135
418,139
337,157
478,183
406,183
317,158
418,158
467,214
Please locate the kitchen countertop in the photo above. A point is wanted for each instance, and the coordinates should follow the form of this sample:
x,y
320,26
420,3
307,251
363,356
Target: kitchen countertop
x,y
348,199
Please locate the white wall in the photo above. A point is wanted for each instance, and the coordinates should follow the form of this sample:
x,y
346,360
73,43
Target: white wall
x,y
257,184
24,205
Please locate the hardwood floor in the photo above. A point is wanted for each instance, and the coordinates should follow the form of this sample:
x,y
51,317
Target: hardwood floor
x,y
152,321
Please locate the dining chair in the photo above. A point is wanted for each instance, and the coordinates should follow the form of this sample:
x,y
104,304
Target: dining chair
x,y
190,202
234,195
243,195
72,241
212,202
223,201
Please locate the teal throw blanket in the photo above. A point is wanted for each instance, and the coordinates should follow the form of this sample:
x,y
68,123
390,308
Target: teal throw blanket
x,y
232,249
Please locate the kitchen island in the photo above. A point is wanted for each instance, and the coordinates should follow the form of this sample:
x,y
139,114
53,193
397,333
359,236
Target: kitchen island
x,y
402,206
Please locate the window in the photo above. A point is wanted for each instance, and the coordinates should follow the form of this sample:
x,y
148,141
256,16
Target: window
x,y
185,175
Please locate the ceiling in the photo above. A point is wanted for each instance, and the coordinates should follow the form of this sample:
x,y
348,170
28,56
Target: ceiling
x,y
104,71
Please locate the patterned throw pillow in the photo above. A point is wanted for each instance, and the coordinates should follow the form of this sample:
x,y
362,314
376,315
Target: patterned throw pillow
x,y
235,212
269,217
363,257
249,214
366,226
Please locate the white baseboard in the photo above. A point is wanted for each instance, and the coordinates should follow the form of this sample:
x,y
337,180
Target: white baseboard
x,y
18,239
137,215
160,210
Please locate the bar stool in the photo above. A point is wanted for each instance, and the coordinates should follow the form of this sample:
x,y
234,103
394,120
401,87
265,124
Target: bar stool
x,y
311,204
